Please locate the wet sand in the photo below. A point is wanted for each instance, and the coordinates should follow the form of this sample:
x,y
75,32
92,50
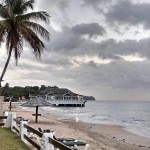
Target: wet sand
x,y
98,136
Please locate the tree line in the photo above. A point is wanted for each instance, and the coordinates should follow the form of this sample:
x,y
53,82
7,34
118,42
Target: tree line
x,y
19,92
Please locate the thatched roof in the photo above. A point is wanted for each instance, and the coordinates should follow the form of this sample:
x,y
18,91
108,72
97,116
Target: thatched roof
x,y
36,102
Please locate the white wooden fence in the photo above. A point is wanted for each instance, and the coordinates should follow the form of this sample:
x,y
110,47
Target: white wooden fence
x,y
46,139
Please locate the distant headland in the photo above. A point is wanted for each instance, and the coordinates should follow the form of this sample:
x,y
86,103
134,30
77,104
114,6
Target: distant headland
x,y
19,92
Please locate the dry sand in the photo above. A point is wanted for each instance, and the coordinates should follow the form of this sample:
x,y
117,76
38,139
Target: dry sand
x,y
99,137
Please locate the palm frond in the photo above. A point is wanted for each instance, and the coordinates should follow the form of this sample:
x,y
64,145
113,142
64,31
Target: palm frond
x,y
14,40
26,5
33,40
2,34
37,28
22,6
18,49
41,15
4,26
3,12
8,41
16,6
17,45
5,23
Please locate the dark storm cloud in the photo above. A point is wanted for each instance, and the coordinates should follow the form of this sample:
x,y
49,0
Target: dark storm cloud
x,y
126,12
68,43
90,29
65,40
111,48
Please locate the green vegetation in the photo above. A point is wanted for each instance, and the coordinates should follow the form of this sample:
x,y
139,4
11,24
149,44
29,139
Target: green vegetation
x,y
23,92
17,91
11,141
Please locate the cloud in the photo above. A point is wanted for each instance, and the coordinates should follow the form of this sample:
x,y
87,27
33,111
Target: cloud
x,y
128,13
64,40
112,49
50,6
57,9
90,29
83,56
70,43
97,5
116,75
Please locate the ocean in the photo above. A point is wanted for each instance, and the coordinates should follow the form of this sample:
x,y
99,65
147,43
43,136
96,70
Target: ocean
x,y
133,115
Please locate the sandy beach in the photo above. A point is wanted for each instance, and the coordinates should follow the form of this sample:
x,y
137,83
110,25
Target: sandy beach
x,y
98,136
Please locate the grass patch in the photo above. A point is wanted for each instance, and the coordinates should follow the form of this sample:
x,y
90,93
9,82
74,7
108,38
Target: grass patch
x,y
11,141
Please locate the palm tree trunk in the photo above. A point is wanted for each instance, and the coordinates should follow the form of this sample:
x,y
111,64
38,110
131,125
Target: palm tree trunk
x,y
6,65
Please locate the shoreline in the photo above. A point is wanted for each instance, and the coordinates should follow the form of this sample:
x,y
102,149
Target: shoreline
x,y
99,136
106,129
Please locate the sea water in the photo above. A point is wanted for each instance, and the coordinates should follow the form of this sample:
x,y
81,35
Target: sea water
x,y
133,115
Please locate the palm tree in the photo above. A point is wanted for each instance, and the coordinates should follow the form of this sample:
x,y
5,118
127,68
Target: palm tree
x,y
18,25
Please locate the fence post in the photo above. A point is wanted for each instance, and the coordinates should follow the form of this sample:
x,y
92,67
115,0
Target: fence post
x,y
8,120
45,145
1,105
13,123
23,131
5,113
9,123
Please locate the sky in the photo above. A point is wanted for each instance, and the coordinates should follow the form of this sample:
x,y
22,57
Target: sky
x,y
98,48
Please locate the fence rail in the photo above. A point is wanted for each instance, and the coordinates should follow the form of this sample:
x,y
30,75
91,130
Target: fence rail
x,y
58,144
51,140
3,117
16,129
2,124
32,142
1,120
33,130
26,132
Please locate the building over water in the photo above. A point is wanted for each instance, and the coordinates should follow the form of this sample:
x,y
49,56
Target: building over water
x,y
61,97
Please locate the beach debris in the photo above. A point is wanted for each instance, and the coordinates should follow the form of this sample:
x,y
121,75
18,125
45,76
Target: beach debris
x,y
141,146
114,138
123,140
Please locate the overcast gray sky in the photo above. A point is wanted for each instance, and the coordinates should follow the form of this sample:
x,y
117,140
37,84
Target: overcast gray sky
x,y
98,47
